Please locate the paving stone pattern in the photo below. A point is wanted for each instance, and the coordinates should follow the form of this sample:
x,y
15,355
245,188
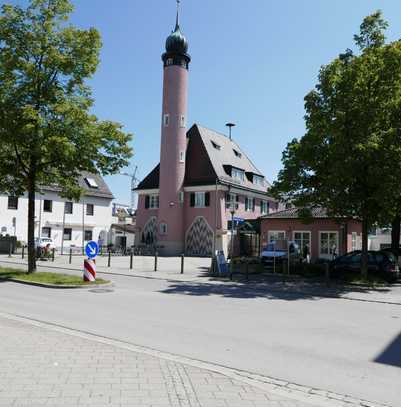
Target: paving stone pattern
x,y
44,367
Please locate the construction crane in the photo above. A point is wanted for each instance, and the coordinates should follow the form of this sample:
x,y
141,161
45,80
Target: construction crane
x,y
134,181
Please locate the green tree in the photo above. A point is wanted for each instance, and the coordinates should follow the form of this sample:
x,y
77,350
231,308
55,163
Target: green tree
x,y
47,133
349,159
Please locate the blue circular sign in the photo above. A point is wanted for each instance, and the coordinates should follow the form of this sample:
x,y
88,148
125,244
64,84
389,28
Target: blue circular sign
x,y
92,249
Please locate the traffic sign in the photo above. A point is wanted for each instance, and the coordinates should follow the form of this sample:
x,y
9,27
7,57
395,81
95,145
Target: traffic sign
x,y
92,249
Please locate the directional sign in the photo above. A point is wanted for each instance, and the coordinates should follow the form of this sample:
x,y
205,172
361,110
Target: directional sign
x,y
92,249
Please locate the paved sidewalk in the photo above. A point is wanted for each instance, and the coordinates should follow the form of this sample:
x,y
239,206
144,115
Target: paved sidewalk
x,y
43,366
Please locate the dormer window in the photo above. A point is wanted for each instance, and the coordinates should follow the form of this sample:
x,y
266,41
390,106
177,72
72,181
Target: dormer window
x,y
215,145
91,183
258,180
238,174
237,153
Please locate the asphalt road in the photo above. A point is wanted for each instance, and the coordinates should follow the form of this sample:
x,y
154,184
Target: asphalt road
x,y
349,347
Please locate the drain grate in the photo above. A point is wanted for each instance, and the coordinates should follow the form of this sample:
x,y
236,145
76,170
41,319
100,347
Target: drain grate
x,y
101,290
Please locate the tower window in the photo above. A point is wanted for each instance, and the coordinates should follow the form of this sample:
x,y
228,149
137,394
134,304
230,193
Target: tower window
x,y
181,197
182,157
182,121
166,120
169,61
184,64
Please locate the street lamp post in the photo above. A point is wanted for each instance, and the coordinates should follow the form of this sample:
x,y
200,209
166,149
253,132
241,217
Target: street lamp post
x,y
232,211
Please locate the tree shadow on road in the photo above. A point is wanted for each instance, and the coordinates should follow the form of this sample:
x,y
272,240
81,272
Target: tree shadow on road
x,y
274,289
391,355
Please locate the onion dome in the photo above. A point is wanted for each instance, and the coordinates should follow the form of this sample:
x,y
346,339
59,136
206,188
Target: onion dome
x,y
176,42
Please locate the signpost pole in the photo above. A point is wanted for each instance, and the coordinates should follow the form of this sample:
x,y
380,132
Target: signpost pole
x,y
288,254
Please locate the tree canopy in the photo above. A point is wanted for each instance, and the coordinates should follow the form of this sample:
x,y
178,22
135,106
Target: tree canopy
x,y
48,133
349,159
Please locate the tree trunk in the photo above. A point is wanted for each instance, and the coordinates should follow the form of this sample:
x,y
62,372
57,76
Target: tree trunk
x,y
364,257
31,225
395,235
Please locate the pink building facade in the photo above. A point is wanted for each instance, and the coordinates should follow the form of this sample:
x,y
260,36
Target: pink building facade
x,y
325,236
187,201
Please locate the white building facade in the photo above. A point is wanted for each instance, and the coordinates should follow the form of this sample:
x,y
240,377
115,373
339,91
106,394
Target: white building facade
x,y
68,223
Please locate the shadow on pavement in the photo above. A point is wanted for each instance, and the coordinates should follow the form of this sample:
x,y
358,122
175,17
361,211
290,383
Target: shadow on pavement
x,y
273,289
392,354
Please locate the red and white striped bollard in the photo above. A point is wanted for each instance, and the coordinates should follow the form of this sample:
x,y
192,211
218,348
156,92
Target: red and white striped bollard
x,y
89,270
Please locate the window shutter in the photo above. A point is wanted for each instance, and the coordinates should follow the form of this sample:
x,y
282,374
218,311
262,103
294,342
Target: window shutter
x,y
147,199
237,198
192,199
253,204
207,198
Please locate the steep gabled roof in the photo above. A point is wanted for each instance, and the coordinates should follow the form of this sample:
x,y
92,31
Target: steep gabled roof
x,y
101,190
210,156
151,181
229,154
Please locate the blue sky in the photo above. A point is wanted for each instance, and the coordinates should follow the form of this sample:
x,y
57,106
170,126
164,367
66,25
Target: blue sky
x,y
252,63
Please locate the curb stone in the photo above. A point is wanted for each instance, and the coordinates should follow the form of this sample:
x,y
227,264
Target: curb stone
x,y
57,286
283,388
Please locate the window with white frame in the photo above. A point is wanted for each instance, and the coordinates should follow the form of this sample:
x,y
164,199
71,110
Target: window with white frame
x,y
154,201
47,232
200,201
169,61
181,197
68,208
302,239
275,235
238,174
166,120
182,156
182,121
163,228
328,243
249,204
90,209
12,202
264,207
354,243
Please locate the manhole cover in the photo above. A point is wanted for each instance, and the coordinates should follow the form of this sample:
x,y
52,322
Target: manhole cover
x,y
101,290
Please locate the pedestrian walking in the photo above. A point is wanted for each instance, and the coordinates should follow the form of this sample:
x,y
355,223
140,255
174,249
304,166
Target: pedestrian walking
x,y
306,254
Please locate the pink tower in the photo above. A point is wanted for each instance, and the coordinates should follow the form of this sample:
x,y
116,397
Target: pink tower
x,y
173,142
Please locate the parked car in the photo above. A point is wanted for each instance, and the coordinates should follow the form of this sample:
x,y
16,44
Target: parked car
x,y
44,243
380,263
272,253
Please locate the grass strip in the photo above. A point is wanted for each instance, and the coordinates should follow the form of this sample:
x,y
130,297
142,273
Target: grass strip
x,y
46,278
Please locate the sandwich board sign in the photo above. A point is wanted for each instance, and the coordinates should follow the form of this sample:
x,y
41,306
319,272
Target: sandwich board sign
x,y
221,263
